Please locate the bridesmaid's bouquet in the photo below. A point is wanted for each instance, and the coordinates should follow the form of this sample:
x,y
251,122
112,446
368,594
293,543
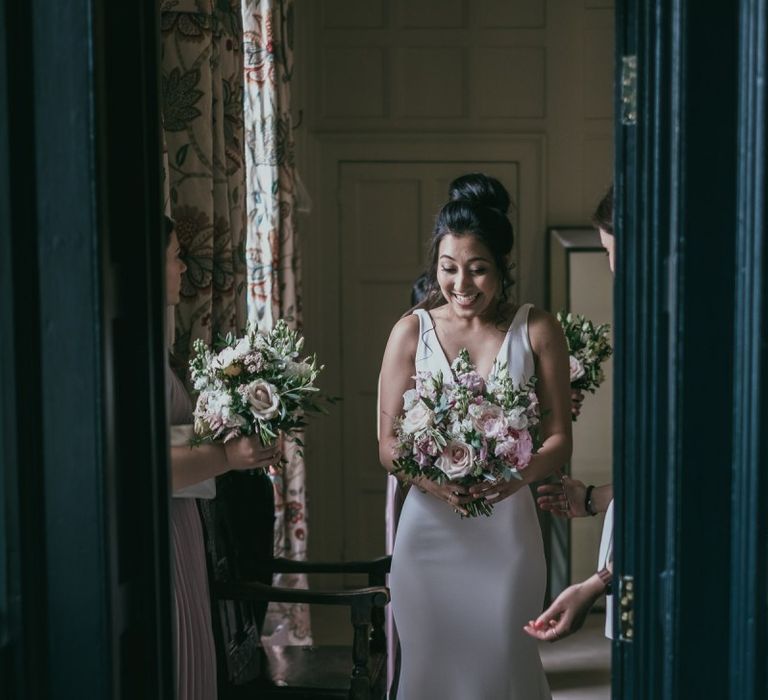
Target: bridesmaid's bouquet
x,y
254,384
589,347
467,430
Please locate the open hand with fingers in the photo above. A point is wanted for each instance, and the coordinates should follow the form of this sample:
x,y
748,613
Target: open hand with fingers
x,y
571,498
568,611
563,498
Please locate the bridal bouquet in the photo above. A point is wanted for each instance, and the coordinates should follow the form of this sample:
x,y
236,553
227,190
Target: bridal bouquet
x,y
253,384
589,347
467,430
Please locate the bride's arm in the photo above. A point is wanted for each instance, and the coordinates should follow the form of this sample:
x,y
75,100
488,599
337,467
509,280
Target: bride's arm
x,y
553,387
397,370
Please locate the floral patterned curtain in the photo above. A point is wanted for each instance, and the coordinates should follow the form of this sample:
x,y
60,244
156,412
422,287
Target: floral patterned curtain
x,y
202,91
272,256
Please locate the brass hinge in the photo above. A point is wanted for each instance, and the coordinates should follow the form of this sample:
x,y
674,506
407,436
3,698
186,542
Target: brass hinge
x,y
626,608
629,90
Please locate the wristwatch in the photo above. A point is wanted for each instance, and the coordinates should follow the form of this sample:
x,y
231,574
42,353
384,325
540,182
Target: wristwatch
x,y
606,577
588,505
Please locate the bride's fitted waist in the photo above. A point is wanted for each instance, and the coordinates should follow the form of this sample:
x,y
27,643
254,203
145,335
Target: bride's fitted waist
x,y
519,507
431,533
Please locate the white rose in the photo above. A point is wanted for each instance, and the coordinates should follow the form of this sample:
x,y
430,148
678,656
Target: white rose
x,y
262,398
217,402
457,459
225,361
517,419
577,369
417,418
220,406
214,413
201,382
410,398
242,348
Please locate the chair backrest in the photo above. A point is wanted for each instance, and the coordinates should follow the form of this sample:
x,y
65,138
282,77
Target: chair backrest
x,y
239,532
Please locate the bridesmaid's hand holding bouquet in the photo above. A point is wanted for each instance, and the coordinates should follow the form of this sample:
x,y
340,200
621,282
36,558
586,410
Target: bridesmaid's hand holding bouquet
x,y
589,348
254,385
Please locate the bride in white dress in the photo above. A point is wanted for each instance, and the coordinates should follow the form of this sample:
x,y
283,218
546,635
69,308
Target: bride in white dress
x,y
462,588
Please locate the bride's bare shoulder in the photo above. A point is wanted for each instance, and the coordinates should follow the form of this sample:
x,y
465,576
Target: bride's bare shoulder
x,y
405,332
544,331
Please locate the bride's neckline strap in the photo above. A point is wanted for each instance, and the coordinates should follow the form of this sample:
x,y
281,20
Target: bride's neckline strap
x,y
425,313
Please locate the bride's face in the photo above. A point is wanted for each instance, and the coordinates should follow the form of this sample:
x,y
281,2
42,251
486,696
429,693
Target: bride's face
x,y
467,275
174,267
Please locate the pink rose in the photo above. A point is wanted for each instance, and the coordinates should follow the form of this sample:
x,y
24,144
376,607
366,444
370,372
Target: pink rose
x,y
577,369
488,420
457,459
262,398
516,450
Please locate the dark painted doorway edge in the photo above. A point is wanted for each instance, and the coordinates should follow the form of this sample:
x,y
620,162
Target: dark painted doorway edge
x,y
691,293
88,593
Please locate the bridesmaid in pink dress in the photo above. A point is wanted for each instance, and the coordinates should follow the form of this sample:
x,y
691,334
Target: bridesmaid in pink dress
x,y
195,654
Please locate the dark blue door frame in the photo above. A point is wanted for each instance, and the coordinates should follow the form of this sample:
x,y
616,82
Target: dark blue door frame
x,y
691,350
641,359
749,549
85,596
23,608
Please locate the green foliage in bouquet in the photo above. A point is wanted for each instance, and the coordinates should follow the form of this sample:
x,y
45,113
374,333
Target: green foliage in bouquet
x,y
468,430
589,348
256,383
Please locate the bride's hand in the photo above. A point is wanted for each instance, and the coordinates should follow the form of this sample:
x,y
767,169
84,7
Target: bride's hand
x,y
249,453
495,491
455,495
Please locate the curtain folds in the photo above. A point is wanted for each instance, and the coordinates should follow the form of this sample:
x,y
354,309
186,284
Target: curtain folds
x,y
202,90
272,254
226,75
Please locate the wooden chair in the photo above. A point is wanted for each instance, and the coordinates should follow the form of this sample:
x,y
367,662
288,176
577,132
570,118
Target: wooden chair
x,y
239,525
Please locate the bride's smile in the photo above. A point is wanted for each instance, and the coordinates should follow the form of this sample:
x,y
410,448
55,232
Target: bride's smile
x,y
466,274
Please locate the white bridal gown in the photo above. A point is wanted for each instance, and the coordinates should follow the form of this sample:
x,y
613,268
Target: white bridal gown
x,y
462,589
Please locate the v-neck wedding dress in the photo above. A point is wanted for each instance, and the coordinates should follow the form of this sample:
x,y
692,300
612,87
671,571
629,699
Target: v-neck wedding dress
x,y
462,589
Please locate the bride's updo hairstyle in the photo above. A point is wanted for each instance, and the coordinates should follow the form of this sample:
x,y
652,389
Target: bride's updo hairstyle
x,y
478,206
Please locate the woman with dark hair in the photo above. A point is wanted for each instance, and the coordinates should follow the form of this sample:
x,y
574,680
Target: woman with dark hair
x,y
195,653
462,588
574,499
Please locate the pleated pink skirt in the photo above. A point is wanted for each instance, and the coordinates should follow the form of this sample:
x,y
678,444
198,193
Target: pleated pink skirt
x,y
195,653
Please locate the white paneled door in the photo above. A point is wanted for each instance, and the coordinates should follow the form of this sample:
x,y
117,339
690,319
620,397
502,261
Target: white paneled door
x,y
387,213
